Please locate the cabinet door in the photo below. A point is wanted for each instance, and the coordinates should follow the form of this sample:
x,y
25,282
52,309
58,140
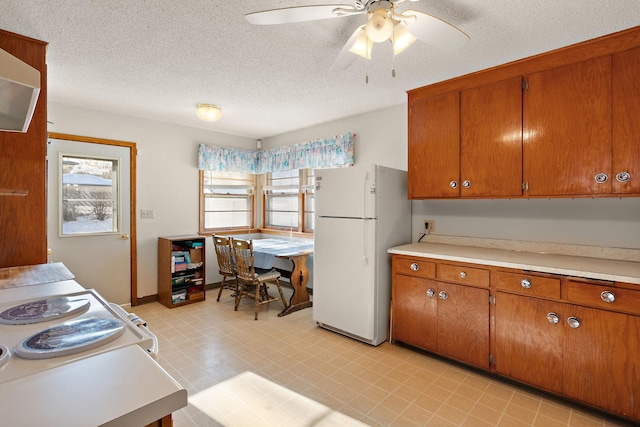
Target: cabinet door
x,y
601,361
414,312
528,343
567,129
626,126
434,147
463,323
491,139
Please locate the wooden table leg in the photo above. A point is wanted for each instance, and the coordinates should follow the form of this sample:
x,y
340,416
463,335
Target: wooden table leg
x,y
299,280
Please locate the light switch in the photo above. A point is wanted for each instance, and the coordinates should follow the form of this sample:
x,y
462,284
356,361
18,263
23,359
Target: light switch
x,y
147,213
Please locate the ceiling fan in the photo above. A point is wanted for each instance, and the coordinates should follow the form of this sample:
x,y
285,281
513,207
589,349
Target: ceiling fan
x,y
383,23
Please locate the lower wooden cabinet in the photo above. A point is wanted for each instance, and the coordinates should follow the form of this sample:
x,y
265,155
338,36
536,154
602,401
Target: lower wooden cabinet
x,y
446,318
573,337
585,354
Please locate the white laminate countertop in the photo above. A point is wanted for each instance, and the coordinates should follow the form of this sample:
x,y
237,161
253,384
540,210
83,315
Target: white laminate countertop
x,y
591,268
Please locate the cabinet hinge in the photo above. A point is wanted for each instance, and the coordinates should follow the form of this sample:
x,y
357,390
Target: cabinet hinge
x,y
491,361
492,299
525,84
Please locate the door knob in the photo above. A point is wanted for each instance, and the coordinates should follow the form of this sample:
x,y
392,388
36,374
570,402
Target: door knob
x,y
124,237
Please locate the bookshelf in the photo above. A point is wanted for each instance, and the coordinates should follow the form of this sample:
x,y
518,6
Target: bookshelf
x,y
181,270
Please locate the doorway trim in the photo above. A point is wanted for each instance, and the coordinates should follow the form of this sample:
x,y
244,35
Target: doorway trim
x,y
132,182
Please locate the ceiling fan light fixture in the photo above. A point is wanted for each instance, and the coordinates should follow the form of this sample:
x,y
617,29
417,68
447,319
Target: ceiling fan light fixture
x,y
379,25
208,112
362,46
402,38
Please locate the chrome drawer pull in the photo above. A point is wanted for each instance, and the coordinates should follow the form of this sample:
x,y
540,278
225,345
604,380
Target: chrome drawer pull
x,y
430,293
463,274
608,296
414,266
443,295
623,177
453,184
553,318
466,183
526,283
601,178
573,322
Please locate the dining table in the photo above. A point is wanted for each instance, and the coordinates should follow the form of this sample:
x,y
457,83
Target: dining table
x,y
265,251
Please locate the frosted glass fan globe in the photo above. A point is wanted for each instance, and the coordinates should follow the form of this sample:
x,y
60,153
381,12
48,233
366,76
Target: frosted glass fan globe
x,y
379,26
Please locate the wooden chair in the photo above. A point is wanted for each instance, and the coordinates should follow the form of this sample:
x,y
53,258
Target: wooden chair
x,y
251,281
226,265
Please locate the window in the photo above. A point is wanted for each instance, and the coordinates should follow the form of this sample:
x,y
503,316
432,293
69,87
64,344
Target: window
x,y
226,201
88,195
288,200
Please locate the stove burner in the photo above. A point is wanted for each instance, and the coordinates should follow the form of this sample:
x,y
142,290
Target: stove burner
x,y
70,337
43,310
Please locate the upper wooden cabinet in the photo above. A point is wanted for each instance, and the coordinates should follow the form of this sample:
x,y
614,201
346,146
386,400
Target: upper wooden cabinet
x,y
559,124
434,147
491,139
458,139
23,218
567,130
625,173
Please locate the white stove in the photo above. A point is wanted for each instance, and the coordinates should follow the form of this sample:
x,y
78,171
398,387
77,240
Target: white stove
x,y
42,333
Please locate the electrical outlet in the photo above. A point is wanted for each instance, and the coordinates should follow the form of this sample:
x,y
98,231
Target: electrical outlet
x,y
147,213
429,225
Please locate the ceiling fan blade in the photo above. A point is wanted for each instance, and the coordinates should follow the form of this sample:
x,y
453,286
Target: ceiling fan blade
x,y
299,14
345,58
435,32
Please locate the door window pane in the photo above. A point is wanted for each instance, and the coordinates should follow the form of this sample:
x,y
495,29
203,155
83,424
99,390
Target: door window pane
x,y
89,195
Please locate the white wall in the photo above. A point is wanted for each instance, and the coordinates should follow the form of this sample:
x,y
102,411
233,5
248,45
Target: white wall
x,y
168,183
167,176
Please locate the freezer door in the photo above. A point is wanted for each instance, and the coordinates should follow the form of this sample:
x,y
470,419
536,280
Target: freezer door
x,y
346,192
344,284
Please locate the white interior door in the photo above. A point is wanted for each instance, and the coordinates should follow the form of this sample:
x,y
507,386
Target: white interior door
x,y
88,219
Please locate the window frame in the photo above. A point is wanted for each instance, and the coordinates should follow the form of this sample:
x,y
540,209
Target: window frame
x,y
304,188
228,230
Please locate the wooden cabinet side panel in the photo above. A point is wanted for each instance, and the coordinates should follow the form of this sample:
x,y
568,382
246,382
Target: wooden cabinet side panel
x,y
164,271
414,314
23,231
567,129
528,347
463,324
434,146
626,122
491,139
602,366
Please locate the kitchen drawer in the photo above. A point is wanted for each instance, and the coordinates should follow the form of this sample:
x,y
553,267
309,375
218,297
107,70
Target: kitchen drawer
x,y
463,274
626,300
414,267
526,284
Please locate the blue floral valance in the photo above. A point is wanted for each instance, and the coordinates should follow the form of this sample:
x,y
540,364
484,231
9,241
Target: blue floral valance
x,y
336,151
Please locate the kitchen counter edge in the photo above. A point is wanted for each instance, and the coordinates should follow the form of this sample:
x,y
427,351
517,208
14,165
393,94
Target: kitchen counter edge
x,y
590,268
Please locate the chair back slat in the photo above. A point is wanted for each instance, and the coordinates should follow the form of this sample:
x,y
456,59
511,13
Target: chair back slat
x,y
224,254
243,254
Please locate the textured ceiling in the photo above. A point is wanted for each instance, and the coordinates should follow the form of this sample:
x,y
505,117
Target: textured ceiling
x,y
157,59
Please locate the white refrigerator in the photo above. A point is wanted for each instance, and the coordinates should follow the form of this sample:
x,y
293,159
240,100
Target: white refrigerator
x,y
360,213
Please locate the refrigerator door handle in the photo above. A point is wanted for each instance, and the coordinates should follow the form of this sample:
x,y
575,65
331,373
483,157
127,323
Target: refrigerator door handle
x,y
364,242
364,194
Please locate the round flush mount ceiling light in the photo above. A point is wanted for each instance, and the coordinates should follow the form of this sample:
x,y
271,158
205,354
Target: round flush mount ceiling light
x,y
209,112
